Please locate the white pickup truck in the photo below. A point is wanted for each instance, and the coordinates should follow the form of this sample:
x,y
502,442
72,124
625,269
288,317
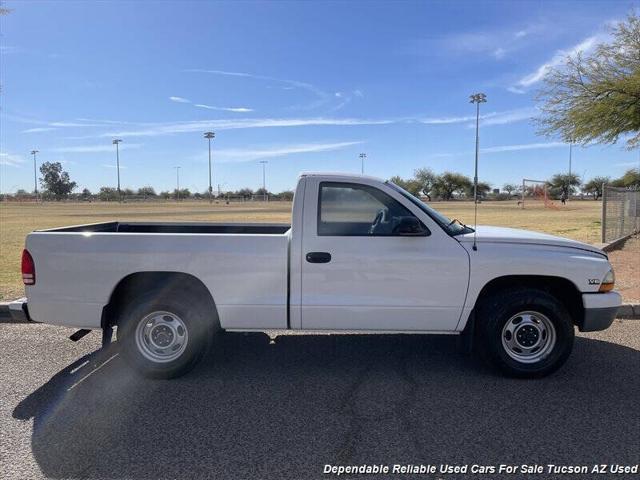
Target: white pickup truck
x,y
361,254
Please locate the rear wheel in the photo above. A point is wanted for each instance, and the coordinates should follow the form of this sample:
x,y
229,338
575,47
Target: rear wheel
x,y
165,335
525,332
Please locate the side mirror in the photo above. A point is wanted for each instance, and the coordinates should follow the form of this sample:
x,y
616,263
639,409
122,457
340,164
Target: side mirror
x,y
410,227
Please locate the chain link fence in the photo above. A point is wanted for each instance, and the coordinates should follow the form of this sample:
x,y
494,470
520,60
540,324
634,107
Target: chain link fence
x,y
620,212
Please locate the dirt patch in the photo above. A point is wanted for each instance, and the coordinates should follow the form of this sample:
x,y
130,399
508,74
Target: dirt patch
x,y
626,264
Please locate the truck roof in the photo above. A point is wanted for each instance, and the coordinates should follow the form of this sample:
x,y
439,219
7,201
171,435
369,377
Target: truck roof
x,y
341,175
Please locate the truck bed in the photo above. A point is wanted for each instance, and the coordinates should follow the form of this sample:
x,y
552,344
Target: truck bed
x,y
244,266
178,227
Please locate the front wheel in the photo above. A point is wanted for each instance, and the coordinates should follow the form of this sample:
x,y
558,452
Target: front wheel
x,y
164,335
525,332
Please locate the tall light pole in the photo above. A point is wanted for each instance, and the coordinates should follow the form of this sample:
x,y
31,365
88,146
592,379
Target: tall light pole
x,y
177,183
264,188
569,185
35,175
362,158
210,136
116,142
476,98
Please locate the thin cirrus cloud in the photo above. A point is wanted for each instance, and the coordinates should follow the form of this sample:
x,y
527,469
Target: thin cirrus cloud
x,y
211,107
507,148
585,46
10,159
247,155
287,84
95,148
109,165
486,119
39,130
179,100
322,97
152,130
509,116
48,126
224,109
524,146
495,43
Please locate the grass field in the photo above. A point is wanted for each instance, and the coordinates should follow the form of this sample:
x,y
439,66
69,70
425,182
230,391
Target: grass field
x,y
579,220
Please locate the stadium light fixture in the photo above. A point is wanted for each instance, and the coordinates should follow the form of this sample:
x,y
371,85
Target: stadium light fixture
x,y
35,175
476,98
264,188
116,142
210,136
177,183
362,158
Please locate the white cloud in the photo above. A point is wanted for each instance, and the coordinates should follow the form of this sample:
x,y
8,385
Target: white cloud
x,y
487,119
509,116
499,53
525,146
38,129
224,109
95,148
495,43
322,97
246,155
292,83
558,58
10,160
346,98
106,122
168,128
446,120
239,109
108,165
76,124
151,130
517,90
211,107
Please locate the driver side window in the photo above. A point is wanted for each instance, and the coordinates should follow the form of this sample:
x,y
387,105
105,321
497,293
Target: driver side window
x,y
354,210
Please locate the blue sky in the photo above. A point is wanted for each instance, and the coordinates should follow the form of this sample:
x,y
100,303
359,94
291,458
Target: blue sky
x,y
303,85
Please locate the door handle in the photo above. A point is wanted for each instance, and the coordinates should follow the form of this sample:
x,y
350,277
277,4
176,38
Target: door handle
x,y
318,257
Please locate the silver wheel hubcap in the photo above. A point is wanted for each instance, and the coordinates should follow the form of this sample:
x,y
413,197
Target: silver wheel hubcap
x,y
528,337
161,336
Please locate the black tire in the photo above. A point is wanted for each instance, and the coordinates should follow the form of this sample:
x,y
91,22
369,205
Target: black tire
x,y
183,309
497,316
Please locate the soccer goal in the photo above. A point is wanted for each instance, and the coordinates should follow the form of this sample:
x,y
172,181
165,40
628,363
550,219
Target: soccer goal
x,y
536,192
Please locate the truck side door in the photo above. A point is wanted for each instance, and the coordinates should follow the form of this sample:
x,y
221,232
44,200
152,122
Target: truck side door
x,y
360,272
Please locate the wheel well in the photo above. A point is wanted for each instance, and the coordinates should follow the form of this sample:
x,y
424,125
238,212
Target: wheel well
x,y
561,288
139,283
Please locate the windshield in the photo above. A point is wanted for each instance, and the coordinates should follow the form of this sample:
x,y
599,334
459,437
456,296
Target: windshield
x,y
452,227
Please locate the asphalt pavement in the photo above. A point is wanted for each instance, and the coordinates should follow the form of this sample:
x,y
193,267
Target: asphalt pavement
x,y
256,409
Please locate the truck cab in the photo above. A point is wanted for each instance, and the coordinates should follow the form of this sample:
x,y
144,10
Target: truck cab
x,y
364,257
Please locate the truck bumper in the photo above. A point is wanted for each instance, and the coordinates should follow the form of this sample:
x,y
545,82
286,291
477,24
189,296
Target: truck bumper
x,y
600,310
19,311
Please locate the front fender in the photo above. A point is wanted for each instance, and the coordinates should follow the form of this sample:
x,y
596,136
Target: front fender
x,y
493,261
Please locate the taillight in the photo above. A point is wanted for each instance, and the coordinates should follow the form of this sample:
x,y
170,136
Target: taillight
x,y
28,268
608,282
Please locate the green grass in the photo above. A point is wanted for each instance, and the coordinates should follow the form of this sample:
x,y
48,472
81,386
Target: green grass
x,y
579,220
